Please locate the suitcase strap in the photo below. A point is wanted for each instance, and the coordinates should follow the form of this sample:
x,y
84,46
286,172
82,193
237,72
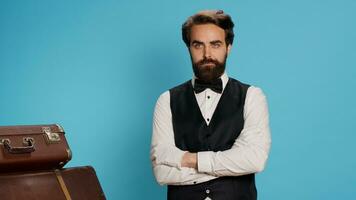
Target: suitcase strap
x,y
62,184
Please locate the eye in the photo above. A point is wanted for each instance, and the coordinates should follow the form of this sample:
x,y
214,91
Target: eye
x,y
197,45
216,45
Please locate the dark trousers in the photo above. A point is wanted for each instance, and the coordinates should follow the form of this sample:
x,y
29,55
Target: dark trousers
x,y
224,188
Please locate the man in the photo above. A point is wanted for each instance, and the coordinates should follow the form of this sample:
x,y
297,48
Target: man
x,y
210,134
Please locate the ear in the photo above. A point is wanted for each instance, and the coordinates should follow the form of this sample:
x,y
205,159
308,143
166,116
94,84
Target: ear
x,y
229,48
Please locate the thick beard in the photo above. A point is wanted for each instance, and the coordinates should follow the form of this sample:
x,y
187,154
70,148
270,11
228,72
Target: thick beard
x,y
209,73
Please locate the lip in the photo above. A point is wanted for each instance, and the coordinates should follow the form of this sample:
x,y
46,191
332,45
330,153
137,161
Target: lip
x,y
208,64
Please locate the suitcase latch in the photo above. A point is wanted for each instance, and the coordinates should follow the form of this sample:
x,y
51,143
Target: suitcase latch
x,y
50,136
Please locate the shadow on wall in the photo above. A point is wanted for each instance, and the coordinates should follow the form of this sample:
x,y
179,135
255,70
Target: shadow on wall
x,y
160,66
164,66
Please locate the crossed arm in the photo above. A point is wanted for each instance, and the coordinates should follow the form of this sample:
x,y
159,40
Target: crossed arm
x,y
248,154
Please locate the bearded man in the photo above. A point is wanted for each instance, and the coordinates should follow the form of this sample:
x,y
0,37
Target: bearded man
x,y
210,134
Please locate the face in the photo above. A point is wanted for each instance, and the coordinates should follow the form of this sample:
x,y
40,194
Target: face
x,y
208,51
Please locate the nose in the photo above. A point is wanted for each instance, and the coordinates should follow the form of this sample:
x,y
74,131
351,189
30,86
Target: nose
x,y
207,52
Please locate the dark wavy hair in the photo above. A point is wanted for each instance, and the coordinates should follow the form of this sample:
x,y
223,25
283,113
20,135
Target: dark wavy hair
x,y
217,17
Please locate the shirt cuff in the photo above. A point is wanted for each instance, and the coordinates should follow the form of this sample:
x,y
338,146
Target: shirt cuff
x,y
204,162
178,162
175,158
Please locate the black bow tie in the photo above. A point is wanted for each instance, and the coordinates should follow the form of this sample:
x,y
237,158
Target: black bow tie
x,y
200,86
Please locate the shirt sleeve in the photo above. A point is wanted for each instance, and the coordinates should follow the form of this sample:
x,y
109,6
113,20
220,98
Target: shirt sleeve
x,y
165,156
168,175
250,151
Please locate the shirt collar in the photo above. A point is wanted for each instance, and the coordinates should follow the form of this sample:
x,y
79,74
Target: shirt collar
x,y
223,77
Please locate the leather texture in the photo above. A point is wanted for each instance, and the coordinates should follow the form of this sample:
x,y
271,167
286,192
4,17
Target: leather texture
x,y
19,155
81,183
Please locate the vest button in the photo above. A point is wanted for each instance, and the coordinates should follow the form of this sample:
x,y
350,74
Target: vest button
x,y
207,191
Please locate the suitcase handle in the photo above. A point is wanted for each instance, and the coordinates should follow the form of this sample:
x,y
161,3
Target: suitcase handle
x,y
29,146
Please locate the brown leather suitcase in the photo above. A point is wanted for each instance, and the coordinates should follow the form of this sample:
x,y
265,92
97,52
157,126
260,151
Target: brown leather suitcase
x,y
33,147
77,183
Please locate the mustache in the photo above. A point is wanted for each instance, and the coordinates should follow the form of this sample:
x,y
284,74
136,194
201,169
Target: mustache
x,y
207,61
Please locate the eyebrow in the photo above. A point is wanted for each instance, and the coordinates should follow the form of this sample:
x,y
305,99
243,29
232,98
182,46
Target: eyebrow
x,y
197,42
212,42
216,42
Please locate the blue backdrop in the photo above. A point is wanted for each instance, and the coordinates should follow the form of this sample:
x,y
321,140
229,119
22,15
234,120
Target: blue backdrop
x,y
97,68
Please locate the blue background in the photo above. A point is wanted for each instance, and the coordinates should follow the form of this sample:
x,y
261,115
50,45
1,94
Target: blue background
x,y
97,68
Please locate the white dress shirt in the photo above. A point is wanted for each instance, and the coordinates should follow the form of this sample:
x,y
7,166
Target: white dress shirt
x,y
248,154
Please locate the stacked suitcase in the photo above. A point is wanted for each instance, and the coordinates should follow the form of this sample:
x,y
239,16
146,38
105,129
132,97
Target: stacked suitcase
x,y
31,166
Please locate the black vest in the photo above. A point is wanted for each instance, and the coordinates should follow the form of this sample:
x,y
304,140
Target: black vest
x,y
191,133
